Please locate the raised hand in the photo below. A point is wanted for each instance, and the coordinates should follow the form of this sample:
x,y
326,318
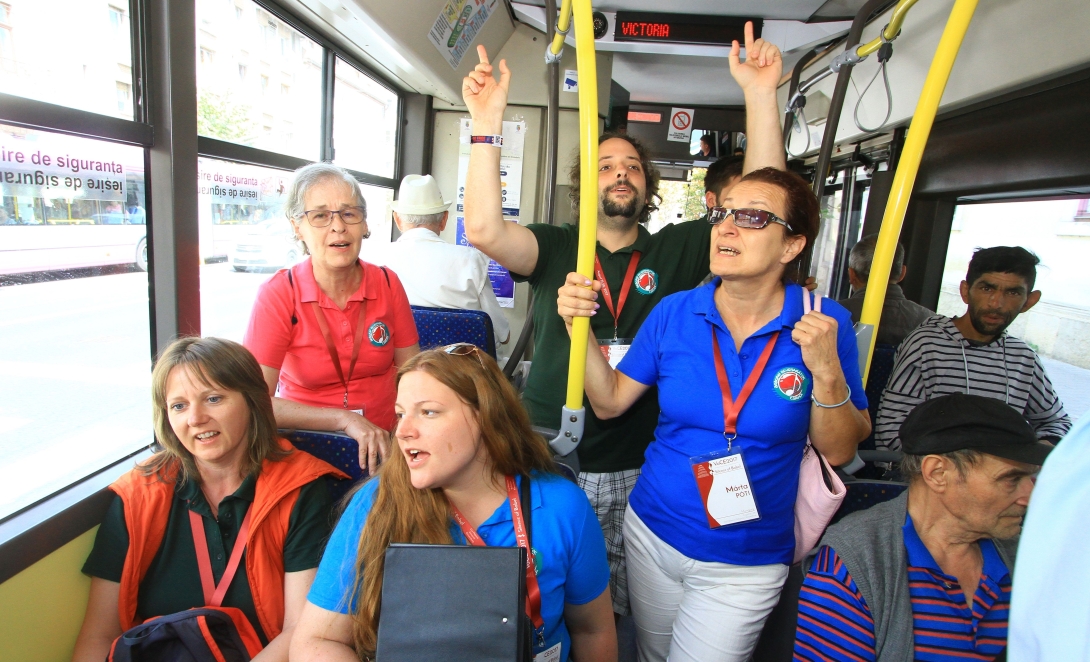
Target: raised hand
x,y
763,66
486,98
816,335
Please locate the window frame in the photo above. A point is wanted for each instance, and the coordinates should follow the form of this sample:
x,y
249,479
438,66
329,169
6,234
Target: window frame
x,y
37,530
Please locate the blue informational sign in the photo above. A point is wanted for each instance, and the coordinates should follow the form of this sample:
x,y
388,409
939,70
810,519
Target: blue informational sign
x,y
502,283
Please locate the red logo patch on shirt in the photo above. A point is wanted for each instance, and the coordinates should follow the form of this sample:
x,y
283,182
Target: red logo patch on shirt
x,y
646,281
378,334
790,384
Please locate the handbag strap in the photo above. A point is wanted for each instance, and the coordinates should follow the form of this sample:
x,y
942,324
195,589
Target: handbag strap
x,y
214,593
806,294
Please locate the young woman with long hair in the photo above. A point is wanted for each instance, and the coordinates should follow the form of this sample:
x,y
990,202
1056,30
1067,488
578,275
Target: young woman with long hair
x,y
462,435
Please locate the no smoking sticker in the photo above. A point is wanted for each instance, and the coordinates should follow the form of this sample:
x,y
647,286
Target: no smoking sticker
x,y
681,125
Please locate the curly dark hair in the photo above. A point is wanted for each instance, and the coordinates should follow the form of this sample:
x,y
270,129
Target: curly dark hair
x,y
651,173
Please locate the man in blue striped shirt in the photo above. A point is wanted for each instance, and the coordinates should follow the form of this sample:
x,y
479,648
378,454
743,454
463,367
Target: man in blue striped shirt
x,y
927,576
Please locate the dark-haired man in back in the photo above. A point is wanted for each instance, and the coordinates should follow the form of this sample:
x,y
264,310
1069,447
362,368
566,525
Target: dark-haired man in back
x,y
973,354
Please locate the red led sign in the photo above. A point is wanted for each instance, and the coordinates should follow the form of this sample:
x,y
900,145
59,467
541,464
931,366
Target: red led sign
x,y
642,29
681,28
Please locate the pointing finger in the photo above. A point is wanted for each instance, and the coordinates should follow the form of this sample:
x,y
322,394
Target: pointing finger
x,y
482,53
748,37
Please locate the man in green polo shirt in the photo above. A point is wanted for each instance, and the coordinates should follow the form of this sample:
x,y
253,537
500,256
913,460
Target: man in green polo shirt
x,y
639,268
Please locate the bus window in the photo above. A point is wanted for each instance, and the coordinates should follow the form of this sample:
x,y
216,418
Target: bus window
x,y
681,201
38,43
75,372
1057,328
364,122
841,224
259,81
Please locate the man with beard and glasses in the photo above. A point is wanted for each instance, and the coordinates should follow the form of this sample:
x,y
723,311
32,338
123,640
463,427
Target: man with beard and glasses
x,y
927,576
639,268
973,353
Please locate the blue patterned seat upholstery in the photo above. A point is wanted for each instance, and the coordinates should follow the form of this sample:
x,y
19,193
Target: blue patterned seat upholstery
x,y
863,494
337,449
445,326
881,367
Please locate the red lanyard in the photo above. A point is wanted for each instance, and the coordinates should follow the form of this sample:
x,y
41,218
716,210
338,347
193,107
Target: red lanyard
x,y
333,355
213,593
533,592
731,407
600,276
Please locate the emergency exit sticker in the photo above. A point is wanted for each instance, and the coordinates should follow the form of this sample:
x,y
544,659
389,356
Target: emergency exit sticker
x,y
681,125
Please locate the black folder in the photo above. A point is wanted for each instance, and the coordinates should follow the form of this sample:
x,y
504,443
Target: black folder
x,y
453,603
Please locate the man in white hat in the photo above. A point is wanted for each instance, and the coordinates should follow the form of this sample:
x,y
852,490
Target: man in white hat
x,y
435,272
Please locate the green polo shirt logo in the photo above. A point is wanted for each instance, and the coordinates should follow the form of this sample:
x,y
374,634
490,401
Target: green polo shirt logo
x,y
646,281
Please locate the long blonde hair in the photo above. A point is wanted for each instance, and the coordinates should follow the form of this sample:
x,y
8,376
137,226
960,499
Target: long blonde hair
x,y
402,513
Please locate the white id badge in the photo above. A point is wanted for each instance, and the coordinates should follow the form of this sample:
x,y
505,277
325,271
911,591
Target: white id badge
x,y
724,488
551,654
614,350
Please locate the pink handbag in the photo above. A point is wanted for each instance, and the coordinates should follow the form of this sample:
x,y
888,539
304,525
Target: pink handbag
x,y
820,490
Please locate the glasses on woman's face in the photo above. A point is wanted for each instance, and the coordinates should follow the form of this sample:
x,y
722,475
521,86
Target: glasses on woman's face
x,y
320,218
752,219
464,349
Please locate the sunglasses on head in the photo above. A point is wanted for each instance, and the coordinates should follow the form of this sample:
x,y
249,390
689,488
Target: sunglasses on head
x,y
753,219
464,349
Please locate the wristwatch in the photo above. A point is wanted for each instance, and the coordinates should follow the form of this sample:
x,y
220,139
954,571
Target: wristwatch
x,y
486,140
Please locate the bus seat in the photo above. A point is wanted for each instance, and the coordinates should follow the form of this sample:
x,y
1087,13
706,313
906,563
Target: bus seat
x,y
445,326
338,449
881,367
863,494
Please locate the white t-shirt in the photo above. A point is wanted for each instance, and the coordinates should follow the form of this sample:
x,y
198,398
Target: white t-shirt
x,y
1050,599
439,274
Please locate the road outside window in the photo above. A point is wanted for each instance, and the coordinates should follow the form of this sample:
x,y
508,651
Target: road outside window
x,y
75,370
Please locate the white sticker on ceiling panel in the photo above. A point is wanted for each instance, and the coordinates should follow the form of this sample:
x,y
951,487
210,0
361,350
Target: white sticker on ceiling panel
x,y
681,125
457,26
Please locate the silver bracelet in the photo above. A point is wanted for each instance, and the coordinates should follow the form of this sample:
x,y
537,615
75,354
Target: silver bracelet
x,y
839,404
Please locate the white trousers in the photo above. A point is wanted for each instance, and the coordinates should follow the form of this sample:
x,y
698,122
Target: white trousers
x,y
694,611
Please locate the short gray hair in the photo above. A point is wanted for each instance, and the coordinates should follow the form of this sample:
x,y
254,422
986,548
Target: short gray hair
x,y
313,174
863,254
912,465
421,219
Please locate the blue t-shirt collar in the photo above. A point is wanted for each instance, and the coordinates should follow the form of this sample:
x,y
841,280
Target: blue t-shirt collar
x,y
789,315
919,556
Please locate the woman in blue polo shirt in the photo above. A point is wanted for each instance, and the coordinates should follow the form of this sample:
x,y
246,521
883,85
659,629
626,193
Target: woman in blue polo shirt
x,y
743,378
465,447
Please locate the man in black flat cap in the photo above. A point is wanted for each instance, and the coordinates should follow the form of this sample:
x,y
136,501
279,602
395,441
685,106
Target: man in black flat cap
x,y
928,574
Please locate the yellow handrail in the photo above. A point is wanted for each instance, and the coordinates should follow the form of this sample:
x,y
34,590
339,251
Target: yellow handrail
x,y
908,167
890,31
588,185
563,22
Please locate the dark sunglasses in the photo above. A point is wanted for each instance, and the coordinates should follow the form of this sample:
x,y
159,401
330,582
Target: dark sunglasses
x,y
753,219
464,349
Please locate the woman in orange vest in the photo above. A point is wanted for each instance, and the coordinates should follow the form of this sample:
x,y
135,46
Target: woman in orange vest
x,y
225,514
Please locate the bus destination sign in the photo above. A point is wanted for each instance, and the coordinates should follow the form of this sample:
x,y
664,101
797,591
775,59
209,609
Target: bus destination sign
x,y
681,28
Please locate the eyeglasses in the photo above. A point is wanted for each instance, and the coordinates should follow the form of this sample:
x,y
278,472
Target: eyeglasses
x,y
320,218
464,349
753,219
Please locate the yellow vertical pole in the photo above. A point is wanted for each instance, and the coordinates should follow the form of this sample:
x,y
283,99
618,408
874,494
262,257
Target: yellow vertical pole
x,y
909,166
588,189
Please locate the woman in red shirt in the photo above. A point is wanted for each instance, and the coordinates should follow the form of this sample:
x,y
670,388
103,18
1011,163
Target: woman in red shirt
x,y
331,331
